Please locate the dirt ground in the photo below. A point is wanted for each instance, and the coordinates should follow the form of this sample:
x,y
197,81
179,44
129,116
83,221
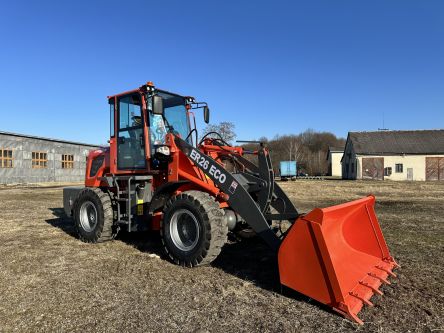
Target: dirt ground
x,y
50,281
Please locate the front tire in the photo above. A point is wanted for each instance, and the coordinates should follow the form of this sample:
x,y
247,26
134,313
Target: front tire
x,y
193,229
93,216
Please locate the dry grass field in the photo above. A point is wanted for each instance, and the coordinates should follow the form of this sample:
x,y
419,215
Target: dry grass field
x,y
50,281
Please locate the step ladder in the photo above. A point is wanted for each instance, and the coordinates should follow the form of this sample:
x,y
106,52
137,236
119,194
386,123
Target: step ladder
x,y
126,192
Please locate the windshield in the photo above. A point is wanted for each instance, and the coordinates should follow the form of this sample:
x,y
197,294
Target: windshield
x,y
176,117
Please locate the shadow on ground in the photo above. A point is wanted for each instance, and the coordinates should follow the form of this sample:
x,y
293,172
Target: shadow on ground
x,y
248,259
252,260
143,241
62,221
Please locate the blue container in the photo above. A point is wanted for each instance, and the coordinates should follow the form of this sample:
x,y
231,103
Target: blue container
x,y
288,169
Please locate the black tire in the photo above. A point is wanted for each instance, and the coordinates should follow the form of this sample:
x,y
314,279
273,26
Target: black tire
x,y
94,202
193,229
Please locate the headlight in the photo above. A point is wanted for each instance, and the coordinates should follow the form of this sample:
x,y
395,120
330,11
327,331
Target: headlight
x,y
164,150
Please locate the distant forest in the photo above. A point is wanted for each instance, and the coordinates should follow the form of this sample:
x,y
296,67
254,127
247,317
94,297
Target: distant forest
x,y
308,148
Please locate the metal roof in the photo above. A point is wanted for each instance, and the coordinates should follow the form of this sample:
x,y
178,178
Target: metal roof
x,y
48,139
398,142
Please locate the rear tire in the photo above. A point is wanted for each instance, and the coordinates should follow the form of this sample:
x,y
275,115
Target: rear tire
x,y
193,229
93,216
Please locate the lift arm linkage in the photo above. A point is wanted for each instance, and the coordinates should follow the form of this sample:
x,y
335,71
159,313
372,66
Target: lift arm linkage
x,y
238,197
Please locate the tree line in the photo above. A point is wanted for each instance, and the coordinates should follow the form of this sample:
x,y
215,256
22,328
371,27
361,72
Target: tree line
x,y
308,149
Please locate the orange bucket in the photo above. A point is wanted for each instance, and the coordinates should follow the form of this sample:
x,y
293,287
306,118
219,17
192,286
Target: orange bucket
x,y
337,256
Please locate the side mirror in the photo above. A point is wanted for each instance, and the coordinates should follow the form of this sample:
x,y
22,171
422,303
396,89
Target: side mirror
x,y
157,105
206,111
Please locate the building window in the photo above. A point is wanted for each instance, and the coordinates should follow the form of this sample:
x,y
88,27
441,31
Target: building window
x,y
388,171
39,160
67,161
398,168
5,158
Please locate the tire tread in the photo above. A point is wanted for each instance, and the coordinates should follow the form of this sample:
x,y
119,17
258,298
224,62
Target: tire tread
x,y
108,231
213,216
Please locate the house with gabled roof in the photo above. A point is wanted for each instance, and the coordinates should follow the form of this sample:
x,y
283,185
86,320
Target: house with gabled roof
x,y
334,155
394,155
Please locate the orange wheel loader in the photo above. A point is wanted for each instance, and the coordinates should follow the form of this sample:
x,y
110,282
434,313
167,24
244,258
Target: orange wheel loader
x,y
157,176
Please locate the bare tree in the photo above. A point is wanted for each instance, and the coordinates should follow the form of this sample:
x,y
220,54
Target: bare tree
x,y
308,149
224,128
296,148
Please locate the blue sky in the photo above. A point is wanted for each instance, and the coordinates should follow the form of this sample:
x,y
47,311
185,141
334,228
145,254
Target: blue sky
x,y
271,67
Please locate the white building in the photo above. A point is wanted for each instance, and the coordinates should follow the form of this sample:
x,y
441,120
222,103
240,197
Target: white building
x,y
394,155
334,156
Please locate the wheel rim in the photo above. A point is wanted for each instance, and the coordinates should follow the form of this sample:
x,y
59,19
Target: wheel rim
x,y
184,230
88,216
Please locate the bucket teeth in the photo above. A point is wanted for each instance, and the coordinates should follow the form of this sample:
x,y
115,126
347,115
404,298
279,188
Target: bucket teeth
x,y
354,317
388,271
362,299
375,290
380,278
391,261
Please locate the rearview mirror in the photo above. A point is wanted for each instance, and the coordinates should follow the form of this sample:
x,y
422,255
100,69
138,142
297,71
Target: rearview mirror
x,y
206,111
157,105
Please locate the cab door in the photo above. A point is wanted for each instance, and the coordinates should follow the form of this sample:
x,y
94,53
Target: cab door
x,y
130,136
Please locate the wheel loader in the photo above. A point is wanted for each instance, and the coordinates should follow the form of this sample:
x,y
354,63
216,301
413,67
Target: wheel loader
x,y
155,175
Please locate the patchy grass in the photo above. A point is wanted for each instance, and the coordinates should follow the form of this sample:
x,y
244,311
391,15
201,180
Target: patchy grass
x,y
50,281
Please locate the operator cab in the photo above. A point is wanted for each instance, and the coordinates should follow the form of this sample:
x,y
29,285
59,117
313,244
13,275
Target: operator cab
x,y
140,120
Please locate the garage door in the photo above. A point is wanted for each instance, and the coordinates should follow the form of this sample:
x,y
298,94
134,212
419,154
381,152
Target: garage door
x,y
434,168
373,168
